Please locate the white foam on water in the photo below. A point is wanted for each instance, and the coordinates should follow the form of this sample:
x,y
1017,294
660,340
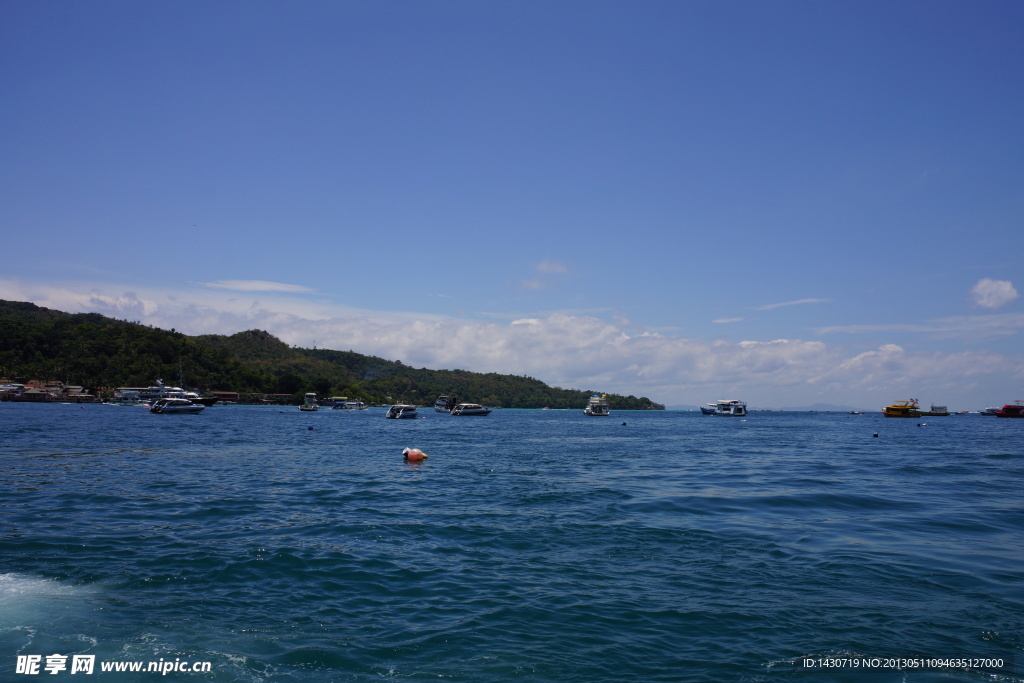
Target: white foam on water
x,y
17,588
27,601
29,606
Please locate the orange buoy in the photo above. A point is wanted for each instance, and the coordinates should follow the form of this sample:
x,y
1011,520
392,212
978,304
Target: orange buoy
x,y
414,454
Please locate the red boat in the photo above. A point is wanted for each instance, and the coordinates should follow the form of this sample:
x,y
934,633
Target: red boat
x,y
1015,410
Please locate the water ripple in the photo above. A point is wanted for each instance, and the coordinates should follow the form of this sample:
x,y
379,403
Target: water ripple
x,y
539,545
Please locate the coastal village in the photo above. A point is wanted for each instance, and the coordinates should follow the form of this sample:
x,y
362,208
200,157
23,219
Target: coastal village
x,y
45,392
37,391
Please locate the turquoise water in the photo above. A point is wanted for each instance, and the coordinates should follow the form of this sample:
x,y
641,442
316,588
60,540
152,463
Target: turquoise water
x,y
531,545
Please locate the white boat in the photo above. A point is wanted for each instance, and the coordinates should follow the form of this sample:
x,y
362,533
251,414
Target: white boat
x,y
470,409
354,404
989,411
126,397
176,405
161,390
597,406
310,404
730,408
402,411
445,403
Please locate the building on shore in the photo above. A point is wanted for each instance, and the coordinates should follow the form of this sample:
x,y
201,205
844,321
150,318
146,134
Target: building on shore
x,y
36,391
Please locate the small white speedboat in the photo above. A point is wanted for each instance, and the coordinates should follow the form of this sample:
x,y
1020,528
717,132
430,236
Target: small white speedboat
x,y
470,409
402,411
176,405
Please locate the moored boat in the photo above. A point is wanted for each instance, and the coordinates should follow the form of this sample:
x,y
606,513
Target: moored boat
x,y
176,405
401,411
730,407
161,390
598,406
126,397
709,409
470,409
353,404
445,403
988,411
935,411
1015,409
309,403
906,408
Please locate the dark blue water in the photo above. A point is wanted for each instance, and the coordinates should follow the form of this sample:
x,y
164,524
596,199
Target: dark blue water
x,y
531,545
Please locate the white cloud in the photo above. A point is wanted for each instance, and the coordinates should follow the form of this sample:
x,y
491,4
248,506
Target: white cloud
x,y
798,302
535,283
255,286
545,270
723,321
552,267
989,293
966,327
218,311
575,350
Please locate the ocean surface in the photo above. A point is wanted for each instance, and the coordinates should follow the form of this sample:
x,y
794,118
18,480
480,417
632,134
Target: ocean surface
x,y
268,544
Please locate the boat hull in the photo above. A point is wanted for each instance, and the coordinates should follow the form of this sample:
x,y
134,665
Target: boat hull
x,y
176,406
1011,410
402,413
902,409
470,410
726,408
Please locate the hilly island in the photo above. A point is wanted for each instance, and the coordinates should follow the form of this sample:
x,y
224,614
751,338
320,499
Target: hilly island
x,y
100,353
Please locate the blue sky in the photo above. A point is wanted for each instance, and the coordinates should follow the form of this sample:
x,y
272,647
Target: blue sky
x,y
784,202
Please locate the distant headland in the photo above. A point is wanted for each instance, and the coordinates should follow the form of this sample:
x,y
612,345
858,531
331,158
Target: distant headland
x,y
97,354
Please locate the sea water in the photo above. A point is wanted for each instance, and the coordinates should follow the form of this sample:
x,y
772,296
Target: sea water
x,y
269,544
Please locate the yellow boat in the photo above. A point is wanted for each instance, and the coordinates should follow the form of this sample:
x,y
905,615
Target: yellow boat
x,y
902,409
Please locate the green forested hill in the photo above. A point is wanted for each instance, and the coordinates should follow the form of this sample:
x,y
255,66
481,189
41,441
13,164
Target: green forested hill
x,y
102,353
